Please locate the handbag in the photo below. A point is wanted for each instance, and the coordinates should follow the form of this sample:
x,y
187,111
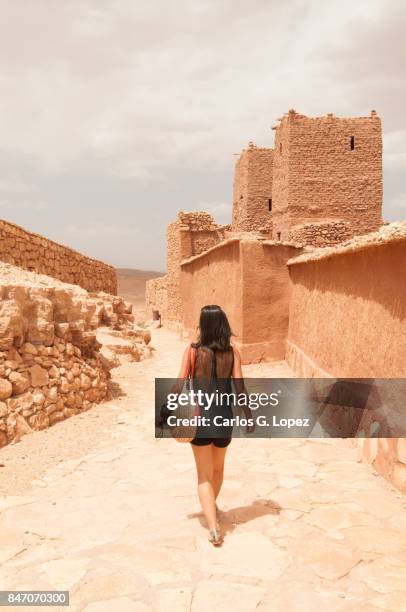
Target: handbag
x,y
186,433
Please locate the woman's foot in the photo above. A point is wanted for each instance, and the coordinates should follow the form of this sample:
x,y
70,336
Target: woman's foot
x,y
215,537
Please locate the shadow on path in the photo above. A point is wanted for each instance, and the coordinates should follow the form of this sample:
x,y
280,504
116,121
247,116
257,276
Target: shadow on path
x,y
229,519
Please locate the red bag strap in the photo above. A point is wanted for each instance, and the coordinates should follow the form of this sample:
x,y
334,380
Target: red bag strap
x,y
192,354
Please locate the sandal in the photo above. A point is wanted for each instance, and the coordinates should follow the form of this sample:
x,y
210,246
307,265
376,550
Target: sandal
x,y
215,537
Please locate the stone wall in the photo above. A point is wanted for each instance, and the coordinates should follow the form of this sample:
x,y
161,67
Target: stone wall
x,y
321,233
327,168
192,233
36,253
52,365
252,199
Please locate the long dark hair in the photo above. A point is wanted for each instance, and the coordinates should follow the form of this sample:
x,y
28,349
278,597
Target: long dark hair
x,y
214,328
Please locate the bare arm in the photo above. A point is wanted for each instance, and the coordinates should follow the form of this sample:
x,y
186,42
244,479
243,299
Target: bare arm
x,y
183,372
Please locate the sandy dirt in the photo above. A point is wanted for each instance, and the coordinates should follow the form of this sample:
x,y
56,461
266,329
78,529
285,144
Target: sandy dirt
x,y
96,505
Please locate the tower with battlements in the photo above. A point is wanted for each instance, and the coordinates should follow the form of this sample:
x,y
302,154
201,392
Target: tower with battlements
x,y
320,184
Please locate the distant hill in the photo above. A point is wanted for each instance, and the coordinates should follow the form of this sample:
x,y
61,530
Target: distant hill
x,y
131,286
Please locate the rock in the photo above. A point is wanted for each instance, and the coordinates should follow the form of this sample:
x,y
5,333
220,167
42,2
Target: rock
x,y
68,412
11,324
108,359
6,389
40,327
53,372
39,376
3,410
51,408
3,439
85,382
128,307
55,417
14,355
53,394
143,335
65,386
20,382
39,420
39,397
22,428
29,348
62,330
18,403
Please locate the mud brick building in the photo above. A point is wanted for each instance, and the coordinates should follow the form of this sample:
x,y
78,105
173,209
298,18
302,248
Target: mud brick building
x,y
308,271
320,185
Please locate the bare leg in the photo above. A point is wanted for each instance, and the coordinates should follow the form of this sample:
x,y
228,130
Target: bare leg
x,y
204,466
219,455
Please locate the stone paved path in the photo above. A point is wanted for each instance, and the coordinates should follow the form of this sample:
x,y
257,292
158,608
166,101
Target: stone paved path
x,y
308,528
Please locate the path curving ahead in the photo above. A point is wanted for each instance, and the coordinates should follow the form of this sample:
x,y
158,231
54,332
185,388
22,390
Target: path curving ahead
x,y
96,505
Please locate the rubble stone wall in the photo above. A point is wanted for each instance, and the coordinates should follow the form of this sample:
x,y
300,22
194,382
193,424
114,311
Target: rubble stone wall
x,y
322,233
38,254
51,365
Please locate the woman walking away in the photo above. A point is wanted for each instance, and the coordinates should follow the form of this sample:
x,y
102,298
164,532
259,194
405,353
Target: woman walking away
x,y
216,361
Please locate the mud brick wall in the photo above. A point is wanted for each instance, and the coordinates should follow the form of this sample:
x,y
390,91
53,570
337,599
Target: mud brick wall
x,y
252,199
249,279
326,168
348,308
38,254
191,234
348,319
156,296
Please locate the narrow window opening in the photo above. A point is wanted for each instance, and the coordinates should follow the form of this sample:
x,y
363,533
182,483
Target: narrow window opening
x,y
279,236
280,147
270,204
352,143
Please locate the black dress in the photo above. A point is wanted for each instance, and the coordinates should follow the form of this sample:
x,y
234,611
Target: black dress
x,y
213,371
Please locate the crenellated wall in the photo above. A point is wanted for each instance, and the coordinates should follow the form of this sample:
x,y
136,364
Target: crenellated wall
x,y
38,254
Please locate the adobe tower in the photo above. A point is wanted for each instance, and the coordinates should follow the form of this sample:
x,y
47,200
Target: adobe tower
x,y
252,200
321,184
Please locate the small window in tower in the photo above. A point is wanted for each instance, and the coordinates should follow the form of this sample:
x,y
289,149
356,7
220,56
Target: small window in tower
x,y
280,147
352,143
270,204
279,236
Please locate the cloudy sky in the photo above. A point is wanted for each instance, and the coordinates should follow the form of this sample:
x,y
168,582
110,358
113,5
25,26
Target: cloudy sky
x,y
115,114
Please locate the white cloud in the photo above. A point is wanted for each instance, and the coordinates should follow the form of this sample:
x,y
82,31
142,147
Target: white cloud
x,y
149,96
